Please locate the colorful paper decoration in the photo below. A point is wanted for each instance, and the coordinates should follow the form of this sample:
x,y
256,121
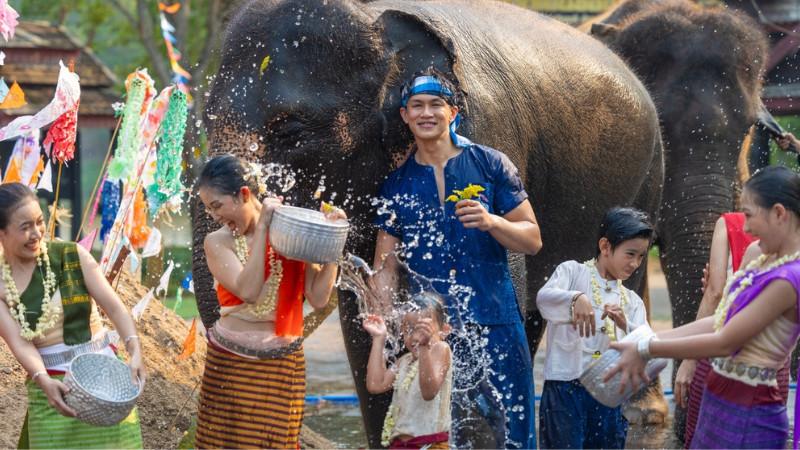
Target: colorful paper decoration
x,y
139,232
110,196
168,188
128,139
62,135
8,20
68,92
15,98
180,76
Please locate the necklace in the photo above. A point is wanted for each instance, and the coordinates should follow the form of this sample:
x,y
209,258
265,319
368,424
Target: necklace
x,y
746,275
404,386
270,299
51,311
609,326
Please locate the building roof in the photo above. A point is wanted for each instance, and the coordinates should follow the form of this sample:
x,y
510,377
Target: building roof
x,y
32,58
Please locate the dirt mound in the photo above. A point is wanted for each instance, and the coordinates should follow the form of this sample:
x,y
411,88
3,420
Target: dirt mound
x,y
168,403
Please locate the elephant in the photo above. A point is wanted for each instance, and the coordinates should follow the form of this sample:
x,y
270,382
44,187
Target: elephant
x,y
702,67
315,86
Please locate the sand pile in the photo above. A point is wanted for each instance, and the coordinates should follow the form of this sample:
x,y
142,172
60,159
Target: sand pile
x,y
170,385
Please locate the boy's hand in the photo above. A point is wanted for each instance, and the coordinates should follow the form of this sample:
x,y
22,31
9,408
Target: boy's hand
x,y
423,330
583,316
617,315
375,326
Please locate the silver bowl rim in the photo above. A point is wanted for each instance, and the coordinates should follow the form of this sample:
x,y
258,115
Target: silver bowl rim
x,y
283,211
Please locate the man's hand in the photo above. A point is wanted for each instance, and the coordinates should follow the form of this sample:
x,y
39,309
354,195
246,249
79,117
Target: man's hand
x,y
472,214
616,314
583,316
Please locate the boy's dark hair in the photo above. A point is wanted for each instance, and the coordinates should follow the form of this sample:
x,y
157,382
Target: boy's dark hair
x,y
428,300
623,224
454,100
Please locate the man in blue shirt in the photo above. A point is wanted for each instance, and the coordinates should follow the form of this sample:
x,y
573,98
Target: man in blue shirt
x,y
461,247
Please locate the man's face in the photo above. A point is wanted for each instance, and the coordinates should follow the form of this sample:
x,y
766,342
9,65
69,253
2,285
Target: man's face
x,y
428,116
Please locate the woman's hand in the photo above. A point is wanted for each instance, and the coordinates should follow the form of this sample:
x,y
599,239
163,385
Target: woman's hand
x,y
332,212
55,390
472,214
137,368
630,366
583,316
375,326
683,382
268,206
616,314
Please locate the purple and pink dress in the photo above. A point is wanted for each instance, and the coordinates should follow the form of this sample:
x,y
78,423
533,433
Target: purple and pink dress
x,y
742,405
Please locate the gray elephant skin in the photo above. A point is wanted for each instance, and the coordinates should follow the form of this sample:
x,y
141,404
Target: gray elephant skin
x,y
575,120
702,67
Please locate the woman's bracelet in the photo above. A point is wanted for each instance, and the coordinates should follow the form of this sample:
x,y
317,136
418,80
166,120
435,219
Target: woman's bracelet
x,y
643,347
36,374
572,306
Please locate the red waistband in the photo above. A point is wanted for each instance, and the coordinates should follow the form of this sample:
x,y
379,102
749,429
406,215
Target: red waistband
x,y
419,441
740,393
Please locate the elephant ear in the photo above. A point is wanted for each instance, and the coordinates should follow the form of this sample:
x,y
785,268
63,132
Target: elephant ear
x,y
413,45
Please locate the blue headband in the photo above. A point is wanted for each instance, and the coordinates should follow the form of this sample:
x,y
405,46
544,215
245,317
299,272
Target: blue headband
x,y
431,85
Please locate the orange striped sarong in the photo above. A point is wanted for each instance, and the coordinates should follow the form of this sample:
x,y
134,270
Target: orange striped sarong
x,y
249,403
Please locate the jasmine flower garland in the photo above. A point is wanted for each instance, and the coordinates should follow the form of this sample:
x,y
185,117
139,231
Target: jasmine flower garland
x,y
610,326
51,311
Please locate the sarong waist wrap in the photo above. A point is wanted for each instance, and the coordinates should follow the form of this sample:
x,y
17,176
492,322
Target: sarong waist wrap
x,y
247,403
44,427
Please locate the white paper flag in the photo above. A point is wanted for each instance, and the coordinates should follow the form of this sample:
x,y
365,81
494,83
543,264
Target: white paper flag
x,y
141,306
153,245
46,182
161,290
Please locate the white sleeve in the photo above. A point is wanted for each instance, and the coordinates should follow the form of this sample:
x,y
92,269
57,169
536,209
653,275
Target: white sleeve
x,y
554,298
638,313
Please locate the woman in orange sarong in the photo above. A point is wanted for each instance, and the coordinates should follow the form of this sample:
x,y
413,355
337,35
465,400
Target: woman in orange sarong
x,y
253,389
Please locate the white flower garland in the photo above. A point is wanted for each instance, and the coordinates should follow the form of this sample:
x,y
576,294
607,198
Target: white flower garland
x,y
610,326
270,300
722,309
405,385
51,311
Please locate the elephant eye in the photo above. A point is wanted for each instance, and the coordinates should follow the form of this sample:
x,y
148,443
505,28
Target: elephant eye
x,y
286,125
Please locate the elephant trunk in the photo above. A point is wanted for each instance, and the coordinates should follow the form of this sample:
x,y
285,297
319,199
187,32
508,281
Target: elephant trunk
x,y
685,228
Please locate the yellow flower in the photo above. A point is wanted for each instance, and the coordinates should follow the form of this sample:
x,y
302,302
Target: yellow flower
x,y
472,190
326,207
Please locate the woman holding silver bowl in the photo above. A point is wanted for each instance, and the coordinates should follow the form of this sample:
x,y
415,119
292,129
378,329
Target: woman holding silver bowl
x,y
253,391
48,315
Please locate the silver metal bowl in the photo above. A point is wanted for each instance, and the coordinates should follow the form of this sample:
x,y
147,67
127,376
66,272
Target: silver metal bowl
x,y
306,235
607,392
100,389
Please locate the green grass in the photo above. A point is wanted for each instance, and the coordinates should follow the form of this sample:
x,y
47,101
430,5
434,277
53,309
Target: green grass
x,y
187,309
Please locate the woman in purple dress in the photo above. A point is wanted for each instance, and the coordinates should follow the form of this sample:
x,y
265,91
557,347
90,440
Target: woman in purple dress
x,y
752,332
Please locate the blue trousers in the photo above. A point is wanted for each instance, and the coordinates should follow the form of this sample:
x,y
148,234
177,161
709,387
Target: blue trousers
x,y
496,409
569,417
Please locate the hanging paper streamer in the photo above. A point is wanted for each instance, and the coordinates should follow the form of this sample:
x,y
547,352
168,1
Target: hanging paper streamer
x,y
139,308
125,155
168,188
189,343
12,172
110,197
46,183
8,20
180,76
26,162
14,99
88,241
68,91
62,135
139,232
153,245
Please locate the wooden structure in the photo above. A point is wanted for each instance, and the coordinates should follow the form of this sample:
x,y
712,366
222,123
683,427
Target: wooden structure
x,y
32,58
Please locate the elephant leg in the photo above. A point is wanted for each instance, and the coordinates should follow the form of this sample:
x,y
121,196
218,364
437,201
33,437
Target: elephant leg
x,y
358,343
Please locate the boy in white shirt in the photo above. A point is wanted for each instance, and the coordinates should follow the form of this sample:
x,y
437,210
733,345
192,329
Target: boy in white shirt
x,y
587,307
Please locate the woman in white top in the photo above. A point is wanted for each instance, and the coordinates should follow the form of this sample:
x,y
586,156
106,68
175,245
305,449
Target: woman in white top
x,y
587,307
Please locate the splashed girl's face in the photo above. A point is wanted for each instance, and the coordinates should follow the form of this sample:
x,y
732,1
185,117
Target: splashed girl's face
x,y
420,328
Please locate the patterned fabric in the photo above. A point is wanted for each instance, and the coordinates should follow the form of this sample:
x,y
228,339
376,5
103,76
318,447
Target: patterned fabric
x,y
428,441
66,265
726,424
569,417
698,387
44,428
246,403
